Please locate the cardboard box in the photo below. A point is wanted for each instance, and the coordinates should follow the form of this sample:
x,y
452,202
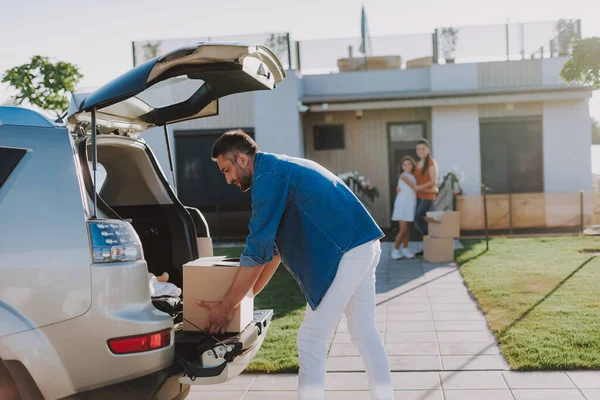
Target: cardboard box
x,y
209,279
369,63
422,62
205,246
443,224
438,250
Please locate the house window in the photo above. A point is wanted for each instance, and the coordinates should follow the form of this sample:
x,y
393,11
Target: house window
x,y
406,132
200,184
328,137
512,156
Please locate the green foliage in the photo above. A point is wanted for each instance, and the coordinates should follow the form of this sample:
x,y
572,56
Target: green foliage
x,y
43,84
584,65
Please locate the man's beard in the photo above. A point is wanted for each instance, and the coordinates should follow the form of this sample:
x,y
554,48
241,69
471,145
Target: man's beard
x,y
244,178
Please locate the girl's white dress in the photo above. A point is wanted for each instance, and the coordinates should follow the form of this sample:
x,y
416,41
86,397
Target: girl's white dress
x,y
406,200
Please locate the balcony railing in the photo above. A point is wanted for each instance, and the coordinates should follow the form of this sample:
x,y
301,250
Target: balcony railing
x,y
514,41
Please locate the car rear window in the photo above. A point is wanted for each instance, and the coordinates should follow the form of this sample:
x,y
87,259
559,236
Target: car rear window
x,y
9,158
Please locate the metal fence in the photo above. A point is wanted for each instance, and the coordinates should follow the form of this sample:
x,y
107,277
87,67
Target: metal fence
x,y
513,41
485,43
278,42
332,55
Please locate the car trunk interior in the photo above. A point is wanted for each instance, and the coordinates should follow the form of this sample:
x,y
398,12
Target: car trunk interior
x,y
136,192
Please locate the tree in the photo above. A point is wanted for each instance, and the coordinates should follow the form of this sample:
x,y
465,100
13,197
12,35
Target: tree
x,y
151,50
566,35
278,43
43,84
584,65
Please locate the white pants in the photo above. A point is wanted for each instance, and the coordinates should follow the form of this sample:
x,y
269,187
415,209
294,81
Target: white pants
x,y
353,293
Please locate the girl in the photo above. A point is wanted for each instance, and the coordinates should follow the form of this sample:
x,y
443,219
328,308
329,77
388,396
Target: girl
x,y
404,207
426,175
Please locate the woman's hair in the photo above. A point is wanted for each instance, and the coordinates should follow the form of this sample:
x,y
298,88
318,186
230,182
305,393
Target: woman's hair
x,y
428,158
412,161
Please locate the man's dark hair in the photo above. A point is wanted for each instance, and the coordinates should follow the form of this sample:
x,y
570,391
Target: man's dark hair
x,y
232,142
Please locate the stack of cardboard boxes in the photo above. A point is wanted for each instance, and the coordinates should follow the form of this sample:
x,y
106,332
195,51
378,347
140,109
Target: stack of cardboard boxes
x,y
444,227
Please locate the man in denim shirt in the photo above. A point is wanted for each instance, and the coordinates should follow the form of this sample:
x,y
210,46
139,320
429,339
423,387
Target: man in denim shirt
x,y
306,216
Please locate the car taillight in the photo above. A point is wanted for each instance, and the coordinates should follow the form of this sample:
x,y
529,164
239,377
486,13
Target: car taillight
x,y
114,241
141,343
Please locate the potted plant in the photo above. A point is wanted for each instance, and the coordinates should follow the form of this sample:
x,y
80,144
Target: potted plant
x,y
449,38
451,183
362,187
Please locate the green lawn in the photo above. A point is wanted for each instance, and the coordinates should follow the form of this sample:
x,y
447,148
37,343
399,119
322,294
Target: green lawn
x,y
541,297
279,352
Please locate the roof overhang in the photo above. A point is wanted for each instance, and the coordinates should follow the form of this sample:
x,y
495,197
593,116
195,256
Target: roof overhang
x,y
436,99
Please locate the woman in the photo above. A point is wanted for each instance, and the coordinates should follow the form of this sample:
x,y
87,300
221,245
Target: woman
x,y
426,175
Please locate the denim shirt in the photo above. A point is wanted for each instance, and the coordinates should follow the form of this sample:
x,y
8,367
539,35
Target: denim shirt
x,y
309,216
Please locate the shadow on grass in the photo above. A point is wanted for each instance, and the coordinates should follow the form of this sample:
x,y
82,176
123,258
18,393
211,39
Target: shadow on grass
x,y
469,245
546,296
282,294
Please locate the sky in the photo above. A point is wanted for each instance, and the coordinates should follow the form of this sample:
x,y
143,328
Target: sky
x,y
97,35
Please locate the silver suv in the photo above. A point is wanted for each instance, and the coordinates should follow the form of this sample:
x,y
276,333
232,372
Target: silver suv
x,y
76,316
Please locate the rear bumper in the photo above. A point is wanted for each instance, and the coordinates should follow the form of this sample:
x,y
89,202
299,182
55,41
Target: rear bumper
x,y
191,366
160,385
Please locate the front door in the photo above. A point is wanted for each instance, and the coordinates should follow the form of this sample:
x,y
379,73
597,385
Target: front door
x,y
403,139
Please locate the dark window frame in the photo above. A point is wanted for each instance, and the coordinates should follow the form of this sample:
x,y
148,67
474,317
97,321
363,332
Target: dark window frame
x,y
539,142
322,144
9,159
239,204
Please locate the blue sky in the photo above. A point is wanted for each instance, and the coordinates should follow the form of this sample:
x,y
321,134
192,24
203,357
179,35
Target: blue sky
x,y
97,35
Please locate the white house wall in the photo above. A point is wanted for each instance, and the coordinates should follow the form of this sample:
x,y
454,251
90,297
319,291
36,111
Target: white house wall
x,y
453,77
551,68
509,74
366,82
278,127
455,142
567,140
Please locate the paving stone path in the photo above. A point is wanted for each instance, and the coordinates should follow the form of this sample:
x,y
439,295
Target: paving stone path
x,y
438,342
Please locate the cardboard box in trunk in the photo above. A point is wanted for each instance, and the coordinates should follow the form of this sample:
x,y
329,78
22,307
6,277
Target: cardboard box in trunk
x,y
205,246
443,224
438,250
205,281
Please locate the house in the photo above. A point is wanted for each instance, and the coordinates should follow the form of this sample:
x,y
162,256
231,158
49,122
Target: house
x,y
504,118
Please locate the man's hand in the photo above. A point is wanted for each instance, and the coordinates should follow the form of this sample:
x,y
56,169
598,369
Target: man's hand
x,y
398,189
220,315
